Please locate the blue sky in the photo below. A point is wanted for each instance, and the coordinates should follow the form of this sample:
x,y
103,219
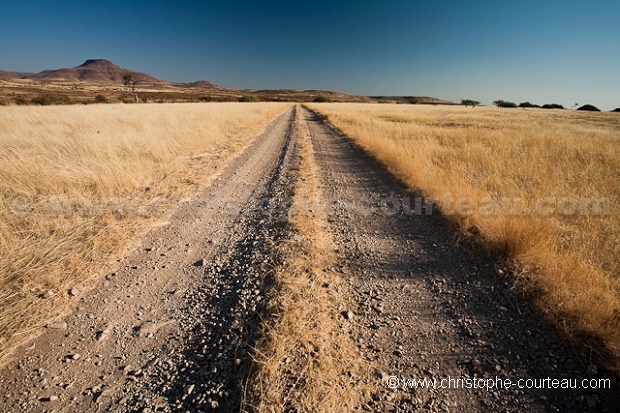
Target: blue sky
x,y
541,51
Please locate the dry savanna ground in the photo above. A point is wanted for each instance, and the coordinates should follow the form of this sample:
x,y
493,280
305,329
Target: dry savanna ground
x,y
539,186
79,184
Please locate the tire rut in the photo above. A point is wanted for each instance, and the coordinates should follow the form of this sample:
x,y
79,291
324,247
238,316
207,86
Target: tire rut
x,y
220,321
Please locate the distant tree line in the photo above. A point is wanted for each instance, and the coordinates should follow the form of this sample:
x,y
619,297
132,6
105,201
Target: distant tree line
x,y
508,104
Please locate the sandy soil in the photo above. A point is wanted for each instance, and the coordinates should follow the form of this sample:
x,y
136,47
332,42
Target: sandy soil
x,y
172,328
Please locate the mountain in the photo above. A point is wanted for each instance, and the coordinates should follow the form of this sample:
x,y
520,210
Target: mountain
x,y
93,71
200,84
13,75
107,79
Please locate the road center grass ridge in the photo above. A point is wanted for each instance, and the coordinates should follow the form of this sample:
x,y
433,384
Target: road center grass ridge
x,y
307,360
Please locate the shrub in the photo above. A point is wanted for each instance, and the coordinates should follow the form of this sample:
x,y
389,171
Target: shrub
x,y
590,108
616,110
248,98
552,106
20,100
205,98
504,104
322,99
43,100
50,99
100,99
528,105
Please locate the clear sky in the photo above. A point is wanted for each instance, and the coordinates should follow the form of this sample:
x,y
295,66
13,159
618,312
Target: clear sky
x,y
543,51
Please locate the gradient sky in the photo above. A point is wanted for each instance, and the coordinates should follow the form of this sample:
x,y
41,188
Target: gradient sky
x,y
543,51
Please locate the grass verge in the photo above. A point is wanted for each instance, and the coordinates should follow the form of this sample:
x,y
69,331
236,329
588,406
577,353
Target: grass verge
x,y
307,360
539,186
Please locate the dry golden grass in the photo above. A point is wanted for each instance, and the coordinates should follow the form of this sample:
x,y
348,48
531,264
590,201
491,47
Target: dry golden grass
x,y
555,162
79,184
307,360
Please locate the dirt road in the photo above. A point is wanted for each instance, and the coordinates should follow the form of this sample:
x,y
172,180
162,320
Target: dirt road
x,y
173,328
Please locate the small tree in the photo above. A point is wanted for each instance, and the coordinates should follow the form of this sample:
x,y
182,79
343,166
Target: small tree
x,y
130,84
469,102
528,105
100,99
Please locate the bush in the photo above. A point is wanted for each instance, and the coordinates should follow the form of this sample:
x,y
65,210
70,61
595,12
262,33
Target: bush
x,y
20,100
552,106
248,98
504,104
322,99
43,100
50,99
205,98
616,110
100,99
469,102
589,108
528,105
